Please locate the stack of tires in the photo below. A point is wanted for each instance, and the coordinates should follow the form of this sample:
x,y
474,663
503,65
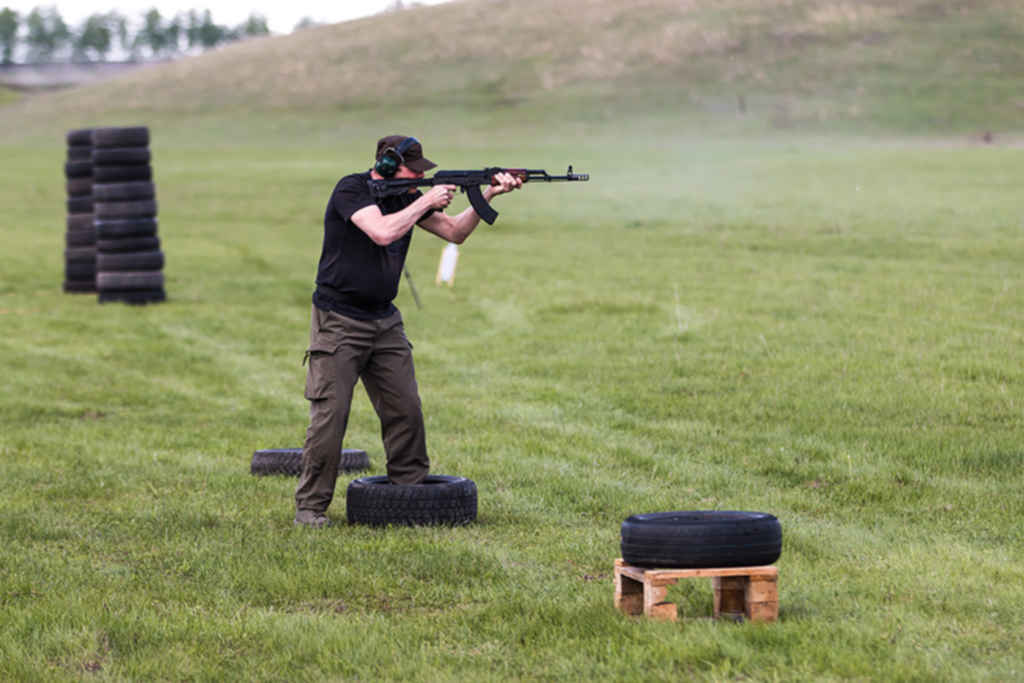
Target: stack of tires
x,y
129,262
80,239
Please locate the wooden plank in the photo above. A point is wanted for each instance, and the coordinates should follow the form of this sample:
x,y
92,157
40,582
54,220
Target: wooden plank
x,y
729,583
629,593
670,576
635,573
762,611
663,611
653,596
730,595
762,590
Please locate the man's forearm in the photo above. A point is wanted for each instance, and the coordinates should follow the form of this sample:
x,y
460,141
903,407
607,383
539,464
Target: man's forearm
x,y
464,225
467,221
385,229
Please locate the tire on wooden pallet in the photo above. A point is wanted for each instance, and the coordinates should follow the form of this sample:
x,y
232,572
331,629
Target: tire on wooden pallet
x,y
698,539
289,461
439,500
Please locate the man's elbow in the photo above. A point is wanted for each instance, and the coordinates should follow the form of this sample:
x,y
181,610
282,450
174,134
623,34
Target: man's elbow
x,y
381,239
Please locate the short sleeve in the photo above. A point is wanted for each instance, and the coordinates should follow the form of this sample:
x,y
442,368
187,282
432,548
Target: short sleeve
x,y
351,195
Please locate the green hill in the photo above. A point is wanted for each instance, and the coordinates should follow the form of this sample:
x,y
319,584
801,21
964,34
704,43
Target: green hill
x,y
910,65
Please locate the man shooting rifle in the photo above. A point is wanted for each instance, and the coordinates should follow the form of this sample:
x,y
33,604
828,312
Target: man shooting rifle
x,y
356,331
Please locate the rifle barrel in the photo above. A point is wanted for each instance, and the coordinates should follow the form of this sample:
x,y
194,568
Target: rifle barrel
x,y
538,174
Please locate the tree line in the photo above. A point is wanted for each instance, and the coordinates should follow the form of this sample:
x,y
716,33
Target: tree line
x,y
42,35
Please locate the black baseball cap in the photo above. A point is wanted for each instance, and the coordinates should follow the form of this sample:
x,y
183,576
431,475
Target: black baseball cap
x,y
412,156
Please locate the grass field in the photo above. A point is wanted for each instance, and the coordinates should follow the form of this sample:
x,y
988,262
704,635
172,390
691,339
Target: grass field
x,y
7,96
732,314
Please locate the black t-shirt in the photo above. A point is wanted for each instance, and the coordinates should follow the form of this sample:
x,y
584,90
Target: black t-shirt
x,y
356,277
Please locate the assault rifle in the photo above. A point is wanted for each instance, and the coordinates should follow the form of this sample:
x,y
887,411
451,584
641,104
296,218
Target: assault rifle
x,y
470,182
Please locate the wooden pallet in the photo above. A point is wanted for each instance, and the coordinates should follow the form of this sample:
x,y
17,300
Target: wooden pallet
x,y
749,593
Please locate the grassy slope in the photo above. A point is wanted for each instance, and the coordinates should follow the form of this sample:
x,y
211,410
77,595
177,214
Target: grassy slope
x,y
819,326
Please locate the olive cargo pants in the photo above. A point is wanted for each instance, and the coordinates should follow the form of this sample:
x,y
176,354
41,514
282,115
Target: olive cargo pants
x,y
341,351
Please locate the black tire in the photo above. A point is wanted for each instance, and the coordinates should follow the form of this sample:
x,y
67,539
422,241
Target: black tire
x,y
289,461
79,286
120,156
80,238
130,280
79,152
79,271
438,500
132,296
142,208
79,204
701,539
80,136
77,169
138,260
128,244
125,227
79,187
80,221
128,136
120,192
121,174
80,255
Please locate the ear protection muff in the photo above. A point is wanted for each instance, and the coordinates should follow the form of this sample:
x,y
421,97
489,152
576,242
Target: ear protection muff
x,y
392,158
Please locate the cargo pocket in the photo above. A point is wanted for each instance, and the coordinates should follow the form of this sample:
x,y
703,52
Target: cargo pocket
x,y
326,335
320,375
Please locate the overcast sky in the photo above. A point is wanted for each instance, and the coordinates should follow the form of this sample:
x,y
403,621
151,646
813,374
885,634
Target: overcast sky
x,y
281,16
